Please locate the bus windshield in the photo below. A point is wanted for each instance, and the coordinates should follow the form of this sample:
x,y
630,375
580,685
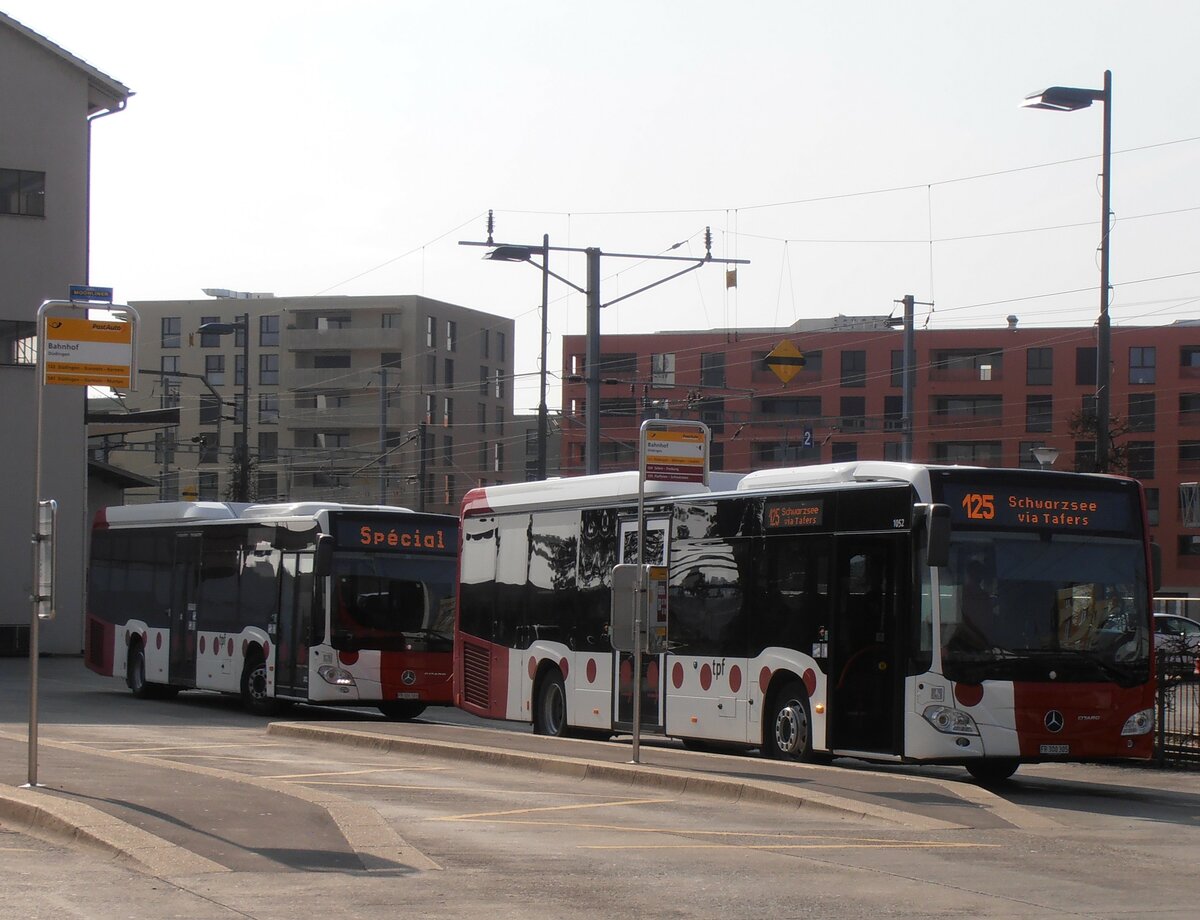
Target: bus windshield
x,y
392,603
1030,606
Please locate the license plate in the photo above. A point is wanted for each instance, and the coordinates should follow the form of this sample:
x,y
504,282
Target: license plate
x,y
1055,749
408,696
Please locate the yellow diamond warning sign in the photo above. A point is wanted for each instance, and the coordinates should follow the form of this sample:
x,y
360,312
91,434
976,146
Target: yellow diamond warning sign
x,y
88,352
785,360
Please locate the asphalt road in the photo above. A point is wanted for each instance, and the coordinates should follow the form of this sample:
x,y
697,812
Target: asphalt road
x,y
208,812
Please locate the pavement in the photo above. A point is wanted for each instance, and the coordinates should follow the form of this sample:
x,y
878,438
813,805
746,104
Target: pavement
x,y
158,816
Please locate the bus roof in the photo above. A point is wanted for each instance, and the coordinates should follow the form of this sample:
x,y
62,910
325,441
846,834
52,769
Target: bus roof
x,y
916,474
600,488
197,512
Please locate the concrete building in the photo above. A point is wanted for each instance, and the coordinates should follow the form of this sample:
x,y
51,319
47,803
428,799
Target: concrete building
x,y
402,400
49,101
982,396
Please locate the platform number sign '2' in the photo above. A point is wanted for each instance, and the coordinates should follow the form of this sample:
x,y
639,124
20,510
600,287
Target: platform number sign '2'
x,y
979,506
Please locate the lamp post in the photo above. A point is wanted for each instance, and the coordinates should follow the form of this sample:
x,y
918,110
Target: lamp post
x,y
509,252
242,492
1069,99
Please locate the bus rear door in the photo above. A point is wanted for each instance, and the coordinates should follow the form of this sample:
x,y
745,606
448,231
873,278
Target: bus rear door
x,y
185,583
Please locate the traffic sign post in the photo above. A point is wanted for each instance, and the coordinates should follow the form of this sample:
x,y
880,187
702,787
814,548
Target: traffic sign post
x,y
72,351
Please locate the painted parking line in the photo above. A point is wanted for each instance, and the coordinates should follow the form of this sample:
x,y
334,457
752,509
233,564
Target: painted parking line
x,y
882,845
529,811
357,772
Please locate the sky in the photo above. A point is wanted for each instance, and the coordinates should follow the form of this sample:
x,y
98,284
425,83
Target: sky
x,y
853,152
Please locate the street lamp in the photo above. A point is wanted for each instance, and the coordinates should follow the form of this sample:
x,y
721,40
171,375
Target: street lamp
x,y
1069,99
1045,456
242,492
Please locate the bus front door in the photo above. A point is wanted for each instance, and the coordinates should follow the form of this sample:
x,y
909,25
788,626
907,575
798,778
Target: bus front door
x,y
294,630
865,662
185,584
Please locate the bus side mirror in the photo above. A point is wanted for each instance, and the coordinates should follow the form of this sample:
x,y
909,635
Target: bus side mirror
x,y
323,563
1155,566
937,533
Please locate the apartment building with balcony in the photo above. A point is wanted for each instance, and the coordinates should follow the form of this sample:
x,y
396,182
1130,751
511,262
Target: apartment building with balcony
x,y
982,396
401,400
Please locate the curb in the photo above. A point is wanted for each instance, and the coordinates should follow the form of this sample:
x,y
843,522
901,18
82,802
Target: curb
x,y
639,775
48,817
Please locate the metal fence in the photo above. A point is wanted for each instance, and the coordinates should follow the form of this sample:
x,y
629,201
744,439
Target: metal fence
x,y
1177,726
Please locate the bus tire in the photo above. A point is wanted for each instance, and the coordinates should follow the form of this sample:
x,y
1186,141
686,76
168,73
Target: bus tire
x,y
401,710
993,770
254,686
787,732
550,706
135,673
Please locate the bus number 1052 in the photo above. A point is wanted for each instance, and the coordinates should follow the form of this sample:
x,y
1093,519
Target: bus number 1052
x,y
979,506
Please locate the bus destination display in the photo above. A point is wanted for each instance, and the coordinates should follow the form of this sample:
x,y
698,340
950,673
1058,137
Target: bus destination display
x,y
984,505
387,536
798,512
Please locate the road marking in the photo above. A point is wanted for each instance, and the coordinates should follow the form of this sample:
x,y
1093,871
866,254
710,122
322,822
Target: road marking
x,y
527,811
789,846
185,747
356,772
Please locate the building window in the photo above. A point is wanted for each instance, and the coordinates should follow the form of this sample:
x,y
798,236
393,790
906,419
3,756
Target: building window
x,y
390,359
172,331
430,407
893,413
1189,408
499,419
331,360
18,342
716,455
391,320
214,369
1152,507
971,453
788,408
622,365
1039,367
1189,356
447,411
501,346
1039,413
23,192
447,450
712,412
1141,411
1085,456
164,447
268,445
844,451
210,446
498,380
963,408
331,440
854,413
268,370
268,331
1141,459
485,342
712,369
897,379
854,368
448,372
431,370
206,487
268,408
451,335
1141,365
498,458
210,409
430,332
335,321
209,339
1085,367
662,370
1189,457
239,370
483,380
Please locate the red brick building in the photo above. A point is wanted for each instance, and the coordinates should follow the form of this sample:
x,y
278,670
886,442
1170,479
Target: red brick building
x,y
982,396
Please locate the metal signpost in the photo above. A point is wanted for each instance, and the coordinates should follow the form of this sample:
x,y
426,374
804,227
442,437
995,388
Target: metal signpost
x,y
72,351
671,451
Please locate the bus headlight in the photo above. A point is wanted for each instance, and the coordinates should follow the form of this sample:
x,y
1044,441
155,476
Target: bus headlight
x,y
1140,723
950,721
339,677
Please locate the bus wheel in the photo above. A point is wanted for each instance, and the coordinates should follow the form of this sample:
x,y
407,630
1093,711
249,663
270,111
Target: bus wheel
x,y
550,714
787,735
401,710
993,770
254,687
135,673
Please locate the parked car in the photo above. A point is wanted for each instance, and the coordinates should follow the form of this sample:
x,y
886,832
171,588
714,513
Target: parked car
x,y
1177,642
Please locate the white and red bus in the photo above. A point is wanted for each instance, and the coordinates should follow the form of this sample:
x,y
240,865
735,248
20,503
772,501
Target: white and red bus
x,y
309,602
886,611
